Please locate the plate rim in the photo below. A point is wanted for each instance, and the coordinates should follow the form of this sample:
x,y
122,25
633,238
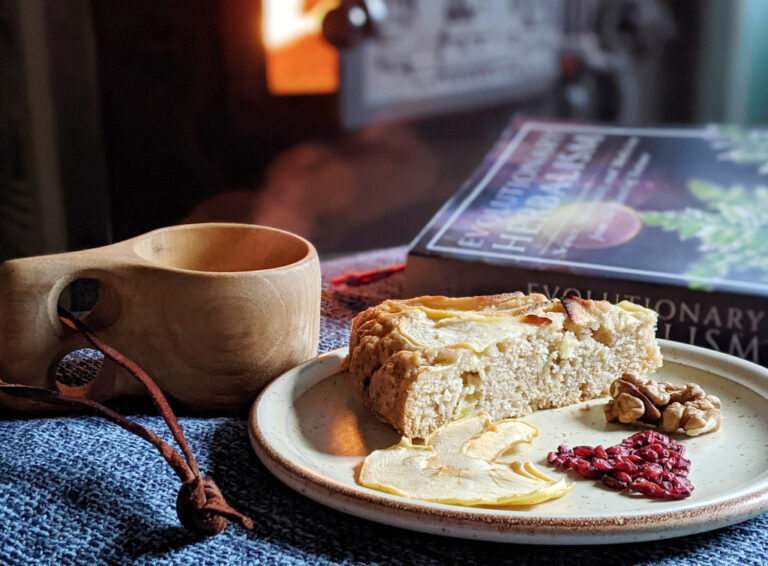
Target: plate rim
x,y
467,522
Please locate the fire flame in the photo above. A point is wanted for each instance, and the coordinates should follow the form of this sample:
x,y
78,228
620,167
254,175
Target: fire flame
x,y
285,21
298,59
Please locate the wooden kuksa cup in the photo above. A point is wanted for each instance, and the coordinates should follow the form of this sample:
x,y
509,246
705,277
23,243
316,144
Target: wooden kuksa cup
x,y
212,312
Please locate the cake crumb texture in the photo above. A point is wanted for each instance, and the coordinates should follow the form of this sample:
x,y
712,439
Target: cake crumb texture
x,y
423,362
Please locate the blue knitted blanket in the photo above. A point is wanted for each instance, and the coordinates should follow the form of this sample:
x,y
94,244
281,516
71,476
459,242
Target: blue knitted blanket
x,y
79,490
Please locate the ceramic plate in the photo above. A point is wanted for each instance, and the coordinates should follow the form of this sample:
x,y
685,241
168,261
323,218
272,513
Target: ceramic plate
x,y
311,430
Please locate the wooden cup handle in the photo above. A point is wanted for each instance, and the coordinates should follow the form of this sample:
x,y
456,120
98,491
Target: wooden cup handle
x,y
32,338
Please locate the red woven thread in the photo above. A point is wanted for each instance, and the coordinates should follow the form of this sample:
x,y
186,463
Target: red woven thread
x,y
359,278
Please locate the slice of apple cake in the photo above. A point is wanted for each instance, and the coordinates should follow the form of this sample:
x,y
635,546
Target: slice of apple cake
x,y
423,362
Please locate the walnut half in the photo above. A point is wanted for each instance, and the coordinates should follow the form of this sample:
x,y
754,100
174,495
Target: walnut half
x,y
670,407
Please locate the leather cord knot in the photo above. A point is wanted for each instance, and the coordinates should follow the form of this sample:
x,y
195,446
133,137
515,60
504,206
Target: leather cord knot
x,y
202,508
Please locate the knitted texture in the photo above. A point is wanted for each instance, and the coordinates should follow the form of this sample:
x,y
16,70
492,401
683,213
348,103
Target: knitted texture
x,y
79,490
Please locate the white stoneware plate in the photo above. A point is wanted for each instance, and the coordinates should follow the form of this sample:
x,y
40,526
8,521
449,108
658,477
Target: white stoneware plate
x,y
311,430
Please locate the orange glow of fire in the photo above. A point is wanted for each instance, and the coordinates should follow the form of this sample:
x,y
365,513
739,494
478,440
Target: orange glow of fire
x,y
298,59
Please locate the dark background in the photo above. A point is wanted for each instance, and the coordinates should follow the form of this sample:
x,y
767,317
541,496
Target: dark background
x,y
161,114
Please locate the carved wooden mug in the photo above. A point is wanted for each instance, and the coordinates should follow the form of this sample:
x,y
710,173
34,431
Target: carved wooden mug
x,y
212,312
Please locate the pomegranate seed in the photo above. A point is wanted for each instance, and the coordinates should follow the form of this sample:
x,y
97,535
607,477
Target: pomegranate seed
x,y
682,483
613,482
647,487
651,472
623,477
678,494
660,450
584,451
551,457
648,462
586,469
647,454
600,452
667,476
669,463
626,466
616,451
602,465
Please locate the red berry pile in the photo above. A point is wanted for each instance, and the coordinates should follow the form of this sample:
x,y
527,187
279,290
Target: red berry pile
x,y
648,462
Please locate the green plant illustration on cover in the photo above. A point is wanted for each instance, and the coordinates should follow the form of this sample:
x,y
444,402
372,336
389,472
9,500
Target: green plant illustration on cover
x,y
741,145
733,231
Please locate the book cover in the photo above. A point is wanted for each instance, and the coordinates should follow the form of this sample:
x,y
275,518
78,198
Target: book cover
x,y
672,218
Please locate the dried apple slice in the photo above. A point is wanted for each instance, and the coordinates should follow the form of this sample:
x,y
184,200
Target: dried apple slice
x,y
456,465
499,440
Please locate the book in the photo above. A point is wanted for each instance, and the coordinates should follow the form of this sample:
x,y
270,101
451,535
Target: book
x,y
675,219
